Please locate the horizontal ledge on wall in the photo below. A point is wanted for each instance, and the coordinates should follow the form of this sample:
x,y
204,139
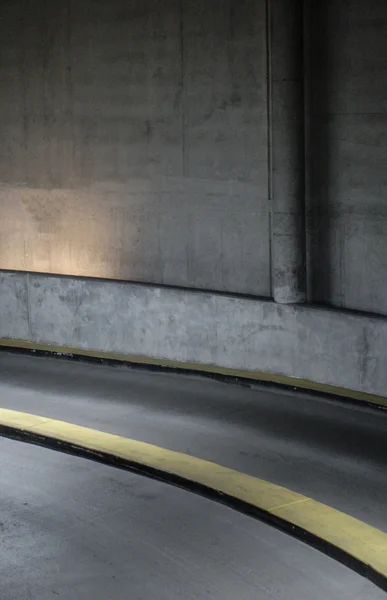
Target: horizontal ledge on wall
x,y
200,368
144,284
328,308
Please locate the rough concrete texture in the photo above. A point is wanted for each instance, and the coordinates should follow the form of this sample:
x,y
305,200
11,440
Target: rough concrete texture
x,y
134,144
322,345
134,141
287,164
348,151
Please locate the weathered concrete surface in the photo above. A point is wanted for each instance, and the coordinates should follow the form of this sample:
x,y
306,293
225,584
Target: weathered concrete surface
x,y
322,345
134,144
134,141
287,155
14,314
348,145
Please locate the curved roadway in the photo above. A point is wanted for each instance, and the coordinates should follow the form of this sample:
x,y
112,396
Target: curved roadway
x,y
74,529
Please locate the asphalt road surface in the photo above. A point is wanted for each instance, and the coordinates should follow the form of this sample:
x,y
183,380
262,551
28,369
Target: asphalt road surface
x,y
73,529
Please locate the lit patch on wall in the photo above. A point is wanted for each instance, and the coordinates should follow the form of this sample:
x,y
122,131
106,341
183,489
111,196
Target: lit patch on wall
x,y
59,231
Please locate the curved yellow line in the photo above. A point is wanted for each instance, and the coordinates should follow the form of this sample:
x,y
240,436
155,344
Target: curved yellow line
x,y
361,541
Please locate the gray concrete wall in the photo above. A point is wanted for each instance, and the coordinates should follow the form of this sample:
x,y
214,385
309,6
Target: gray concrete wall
x,y
134,141
348,153
134,144
322,345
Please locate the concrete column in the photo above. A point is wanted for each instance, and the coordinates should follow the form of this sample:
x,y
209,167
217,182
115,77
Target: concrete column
x,y
287,139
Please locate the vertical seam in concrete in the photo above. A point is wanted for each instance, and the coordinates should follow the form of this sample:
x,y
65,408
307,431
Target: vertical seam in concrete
x,y
23,74
307,166
48,127
269,139
182,49
160,266
70,90
303,58
304,149
28,307
342,242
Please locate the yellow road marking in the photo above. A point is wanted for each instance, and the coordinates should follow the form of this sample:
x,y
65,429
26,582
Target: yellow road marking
x,y
356,538
306,384
291,503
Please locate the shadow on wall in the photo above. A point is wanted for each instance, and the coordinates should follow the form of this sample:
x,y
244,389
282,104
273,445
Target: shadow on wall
x,y
347,143
320,239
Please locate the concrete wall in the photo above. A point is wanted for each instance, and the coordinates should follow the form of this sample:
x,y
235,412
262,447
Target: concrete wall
x,y
134,141
321,345
134,144
348,153
135,137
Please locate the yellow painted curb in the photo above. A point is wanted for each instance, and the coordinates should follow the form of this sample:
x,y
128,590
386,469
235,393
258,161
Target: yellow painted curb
x,y
351,537
258,376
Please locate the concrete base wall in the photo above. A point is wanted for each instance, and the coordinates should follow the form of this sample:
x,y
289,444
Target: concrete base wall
x,y
331,347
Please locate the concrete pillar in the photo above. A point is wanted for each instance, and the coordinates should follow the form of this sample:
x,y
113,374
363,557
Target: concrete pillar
x,y
287,143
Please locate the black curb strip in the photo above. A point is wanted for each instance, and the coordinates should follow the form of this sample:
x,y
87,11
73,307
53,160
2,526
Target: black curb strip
x,y
224,378
106,458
